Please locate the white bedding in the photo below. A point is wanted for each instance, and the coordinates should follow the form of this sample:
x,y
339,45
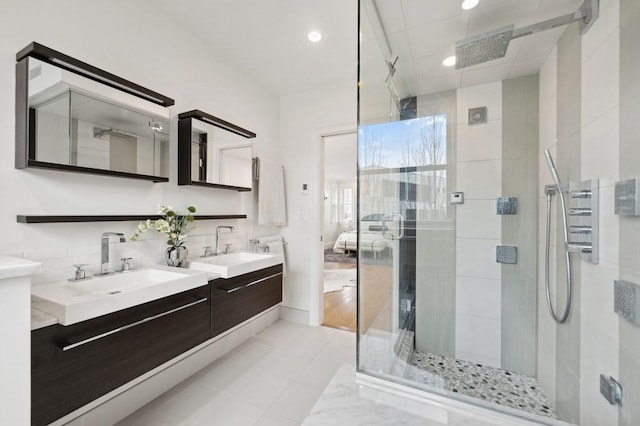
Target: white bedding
x,y
369,241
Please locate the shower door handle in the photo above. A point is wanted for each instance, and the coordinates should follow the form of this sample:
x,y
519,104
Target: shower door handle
x,y
389,235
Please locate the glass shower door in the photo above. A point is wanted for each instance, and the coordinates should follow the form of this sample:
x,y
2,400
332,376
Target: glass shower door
x,y
402,196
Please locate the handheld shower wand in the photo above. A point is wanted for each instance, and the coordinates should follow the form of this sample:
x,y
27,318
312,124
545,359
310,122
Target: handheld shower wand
x,y
565,230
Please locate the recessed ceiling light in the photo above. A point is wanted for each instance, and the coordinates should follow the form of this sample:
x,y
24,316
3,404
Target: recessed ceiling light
x,y
314,36
469,4
449,61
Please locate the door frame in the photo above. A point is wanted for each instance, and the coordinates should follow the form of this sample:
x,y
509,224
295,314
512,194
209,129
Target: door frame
x,y
316,302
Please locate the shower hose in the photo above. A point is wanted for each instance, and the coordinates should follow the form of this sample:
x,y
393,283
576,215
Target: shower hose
x,y
559,319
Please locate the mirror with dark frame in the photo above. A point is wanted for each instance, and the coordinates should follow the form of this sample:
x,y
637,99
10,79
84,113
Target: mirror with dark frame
x,y
213,152
74,117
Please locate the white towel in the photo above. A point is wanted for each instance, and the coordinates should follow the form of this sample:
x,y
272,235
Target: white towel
x,y
275,244
271,201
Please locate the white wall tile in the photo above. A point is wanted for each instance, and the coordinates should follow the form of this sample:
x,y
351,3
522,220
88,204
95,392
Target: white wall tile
x,y
479,141
47,252
601,80
548,80
596,299
478,339
547,125
478,219
489,95
609,249
480,180
598,355
479,296
608,21
600,148
477,258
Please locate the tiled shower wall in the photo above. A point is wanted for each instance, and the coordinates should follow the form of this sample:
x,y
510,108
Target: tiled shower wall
x,y
580,124
495,309
478,228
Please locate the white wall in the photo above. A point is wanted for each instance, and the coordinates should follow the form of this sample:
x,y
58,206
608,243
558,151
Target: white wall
x,y
478,228
304,118
148,48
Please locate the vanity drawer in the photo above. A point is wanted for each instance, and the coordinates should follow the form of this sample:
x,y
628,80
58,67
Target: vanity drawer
x,y
234,300
74,365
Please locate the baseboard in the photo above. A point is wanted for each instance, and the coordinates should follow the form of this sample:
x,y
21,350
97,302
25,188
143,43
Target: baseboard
x,y
299,316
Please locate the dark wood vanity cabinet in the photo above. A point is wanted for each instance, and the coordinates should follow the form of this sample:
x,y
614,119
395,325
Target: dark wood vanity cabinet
x,y
74,365
234,300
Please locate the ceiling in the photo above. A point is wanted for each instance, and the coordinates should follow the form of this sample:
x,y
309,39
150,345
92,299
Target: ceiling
x,y
268,39
421,33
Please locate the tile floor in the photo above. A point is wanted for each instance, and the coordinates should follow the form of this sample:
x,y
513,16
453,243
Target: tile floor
x,y
273,378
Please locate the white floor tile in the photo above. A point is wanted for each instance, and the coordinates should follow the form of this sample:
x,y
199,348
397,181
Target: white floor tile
x,y
250,352
296,402
228,410
255,382
274,419
259,389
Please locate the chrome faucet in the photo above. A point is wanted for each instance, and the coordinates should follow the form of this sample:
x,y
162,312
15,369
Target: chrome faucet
x,y
104,264
230,228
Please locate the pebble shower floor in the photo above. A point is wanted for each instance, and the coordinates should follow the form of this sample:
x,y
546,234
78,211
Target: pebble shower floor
x,y
480,381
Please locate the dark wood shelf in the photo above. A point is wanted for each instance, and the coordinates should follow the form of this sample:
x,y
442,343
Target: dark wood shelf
x,y
114,218
89,170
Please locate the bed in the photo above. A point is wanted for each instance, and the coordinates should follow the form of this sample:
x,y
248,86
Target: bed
x,y
371,239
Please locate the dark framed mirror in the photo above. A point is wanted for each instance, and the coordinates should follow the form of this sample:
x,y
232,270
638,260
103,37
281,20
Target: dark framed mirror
x,y
213,152
74,117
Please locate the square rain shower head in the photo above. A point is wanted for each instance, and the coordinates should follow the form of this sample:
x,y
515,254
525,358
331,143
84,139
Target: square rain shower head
x,y
483,48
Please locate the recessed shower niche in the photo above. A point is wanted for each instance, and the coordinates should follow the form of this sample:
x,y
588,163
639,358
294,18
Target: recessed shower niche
x,y
74,117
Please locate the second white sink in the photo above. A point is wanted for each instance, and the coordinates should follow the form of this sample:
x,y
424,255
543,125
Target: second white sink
x,y
234,264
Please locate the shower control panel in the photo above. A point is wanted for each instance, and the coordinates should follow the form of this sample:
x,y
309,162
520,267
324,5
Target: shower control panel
x,y
582,217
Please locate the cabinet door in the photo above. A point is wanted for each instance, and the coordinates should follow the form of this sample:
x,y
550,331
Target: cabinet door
x,y
72,366
237,299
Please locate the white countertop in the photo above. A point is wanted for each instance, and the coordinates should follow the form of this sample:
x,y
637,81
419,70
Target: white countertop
x,y
11,267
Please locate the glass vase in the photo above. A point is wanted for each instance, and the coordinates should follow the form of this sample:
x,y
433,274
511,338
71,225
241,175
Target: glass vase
x,y
176,256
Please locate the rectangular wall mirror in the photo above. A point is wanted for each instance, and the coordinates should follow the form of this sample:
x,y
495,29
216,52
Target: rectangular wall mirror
x,y
213,152
76,123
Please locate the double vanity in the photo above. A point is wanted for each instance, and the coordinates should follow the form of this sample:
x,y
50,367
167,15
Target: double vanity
x,y
94,338
113,329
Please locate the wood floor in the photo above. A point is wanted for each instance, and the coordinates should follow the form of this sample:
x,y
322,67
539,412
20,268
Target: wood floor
x,y
340,306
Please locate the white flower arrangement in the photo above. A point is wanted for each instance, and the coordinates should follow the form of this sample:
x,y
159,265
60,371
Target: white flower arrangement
x,y
173,226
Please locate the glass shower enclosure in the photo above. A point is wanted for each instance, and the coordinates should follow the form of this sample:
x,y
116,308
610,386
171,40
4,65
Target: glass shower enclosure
x,y
452,178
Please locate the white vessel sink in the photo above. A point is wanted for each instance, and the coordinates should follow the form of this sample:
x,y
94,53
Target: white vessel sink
x,y
74,301
234,264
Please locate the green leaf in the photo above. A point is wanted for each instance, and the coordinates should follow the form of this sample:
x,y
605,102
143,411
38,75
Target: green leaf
x,y
170,213
190,218
191,209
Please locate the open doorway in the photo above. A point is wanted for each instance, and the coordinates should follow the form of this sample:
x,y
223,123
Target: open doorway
x,y
339,231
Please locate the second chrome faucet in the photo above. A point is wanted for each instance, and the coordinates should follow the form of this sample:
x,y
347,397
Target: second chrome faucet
x,y
104,258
